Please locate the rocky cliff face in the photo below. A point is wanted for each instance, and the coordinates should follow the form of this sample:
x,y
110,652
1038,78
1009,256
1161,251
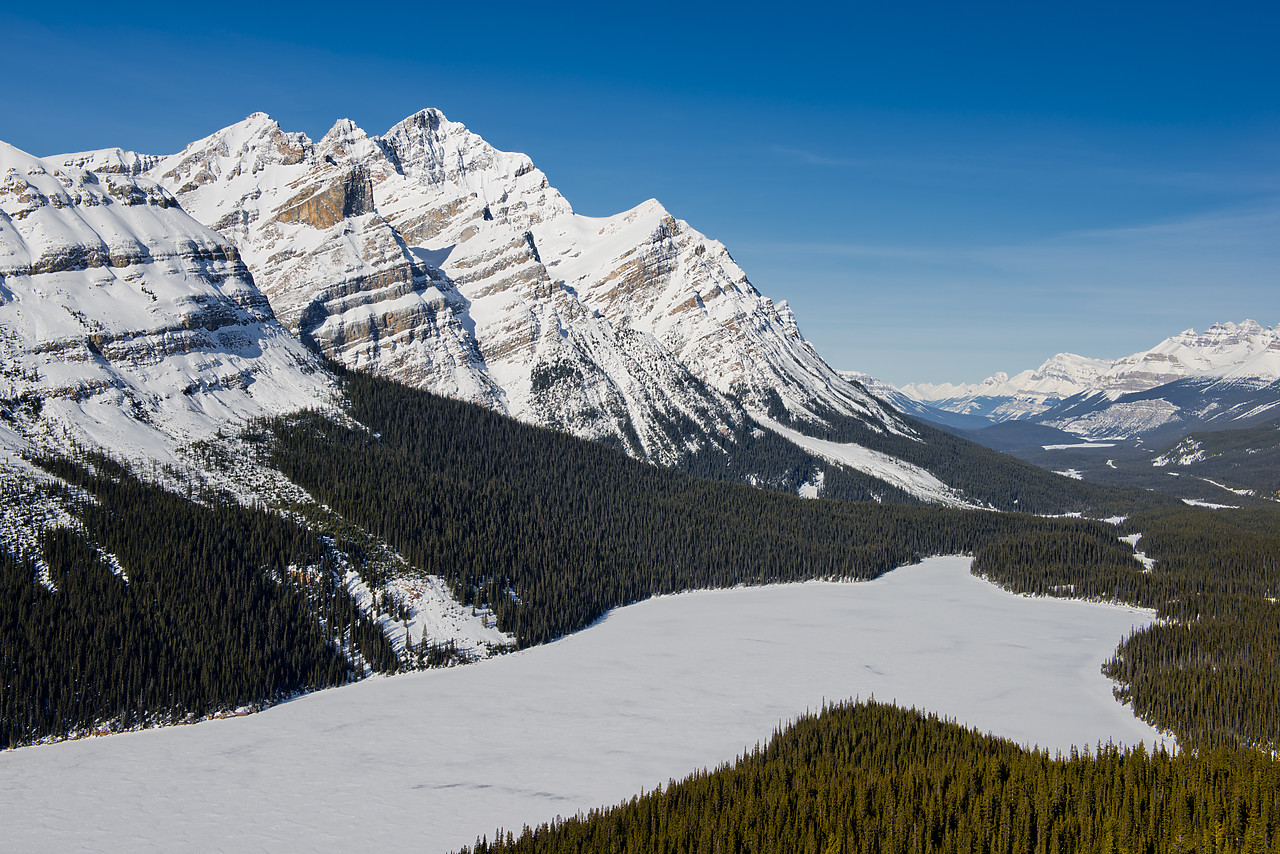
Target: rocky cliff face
x,y
124,323
431,257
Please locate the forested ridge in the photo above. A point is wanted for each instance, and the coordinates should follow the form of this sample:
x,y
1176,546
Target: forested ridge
x,y
550,531
213,605
202,613
1210,670
866,778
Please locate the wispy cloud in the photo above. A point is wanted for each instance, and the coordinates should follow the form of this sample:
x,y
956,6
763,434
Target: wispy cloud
x,y
1043,165
1256,224
1245,234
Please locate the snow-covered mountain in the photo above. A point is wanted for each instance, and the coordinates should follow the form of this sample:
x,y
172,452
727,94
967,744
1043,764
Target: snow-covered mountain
x,y
908,405
125,323
128,327
1097,397
429,256
1001,397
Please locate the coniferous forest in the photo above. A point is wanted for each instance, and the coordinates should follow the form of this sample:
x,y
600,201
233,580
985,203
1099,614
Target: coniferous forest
x,y
201,614
866,778
550,532
1209,671
226,605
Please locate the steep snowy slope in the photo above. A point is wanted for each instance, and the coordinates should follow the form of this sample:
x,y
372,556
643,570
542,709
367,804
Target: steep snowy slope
x,y
125,324
127,327
429,256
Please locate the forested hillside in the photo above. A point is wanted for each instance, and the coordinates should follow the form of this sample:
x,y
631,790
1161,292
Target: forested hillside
x,y
550,532
866,778
203,609
157,607
222,605
1210,670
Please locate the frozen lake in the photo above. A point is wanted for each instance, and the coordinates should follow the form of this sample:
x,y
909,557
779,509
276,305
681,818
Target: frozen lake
x,y
428,761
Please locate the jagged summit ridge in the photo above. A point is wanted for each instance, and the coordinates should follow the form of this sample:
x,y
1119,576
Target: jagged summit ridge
x,y
427,255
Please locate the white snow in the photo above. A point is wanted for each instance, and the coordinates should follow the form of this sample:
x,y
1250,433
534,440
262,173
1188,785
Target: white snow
x,y
428,761
1079,445
1244,492
468,272
1074,474
134,323
1147,562
909,478
813,489
433,614
1196,502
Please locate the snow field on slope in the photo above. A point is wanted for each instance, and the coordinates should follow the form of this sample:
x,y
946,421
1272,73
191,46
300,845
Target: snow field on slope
x,y
907,477
428,761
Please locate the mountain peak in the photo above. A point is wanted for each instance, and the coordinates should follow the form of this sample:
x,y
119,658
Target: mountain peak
x,y
1244,350
136,325
477,280
343,130
17,160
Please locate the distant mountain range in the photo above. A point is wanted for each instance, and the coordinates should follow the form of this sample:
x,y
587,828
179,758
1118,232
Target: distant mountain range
x,y
1226,376
1193,403
427,256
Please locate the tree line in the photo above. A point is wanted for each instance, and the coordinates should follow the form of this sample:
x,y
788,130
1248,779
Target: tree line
x,y
867,778
203,611
1209,671
550,531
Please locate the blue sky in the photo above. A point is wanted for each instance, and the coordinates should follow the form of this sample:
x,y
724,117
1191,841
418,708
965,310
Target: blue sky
x,y
940,190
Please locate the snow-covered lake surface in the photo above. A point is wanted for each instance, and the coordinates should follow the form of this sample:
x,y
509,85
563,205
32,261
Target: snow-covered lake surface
x,y
428,761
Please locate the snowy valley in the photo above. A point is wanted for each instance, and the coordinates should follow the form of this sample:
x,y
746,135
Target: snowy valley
x,y
433,760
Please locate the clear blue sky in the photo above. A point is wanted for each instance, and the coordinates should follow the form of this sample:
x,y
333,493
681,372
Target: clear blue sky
x,y
941,190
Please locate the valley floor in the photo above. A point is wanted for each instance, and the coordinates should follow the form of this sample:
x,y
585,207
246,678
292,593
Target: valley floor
x,y
429,761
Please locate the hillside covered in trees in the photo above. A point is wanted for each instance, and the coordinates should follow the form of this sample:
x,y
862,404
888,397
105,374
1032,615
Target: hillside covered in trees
x,y
223,605
866,778
550,532
198,609
1209,671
